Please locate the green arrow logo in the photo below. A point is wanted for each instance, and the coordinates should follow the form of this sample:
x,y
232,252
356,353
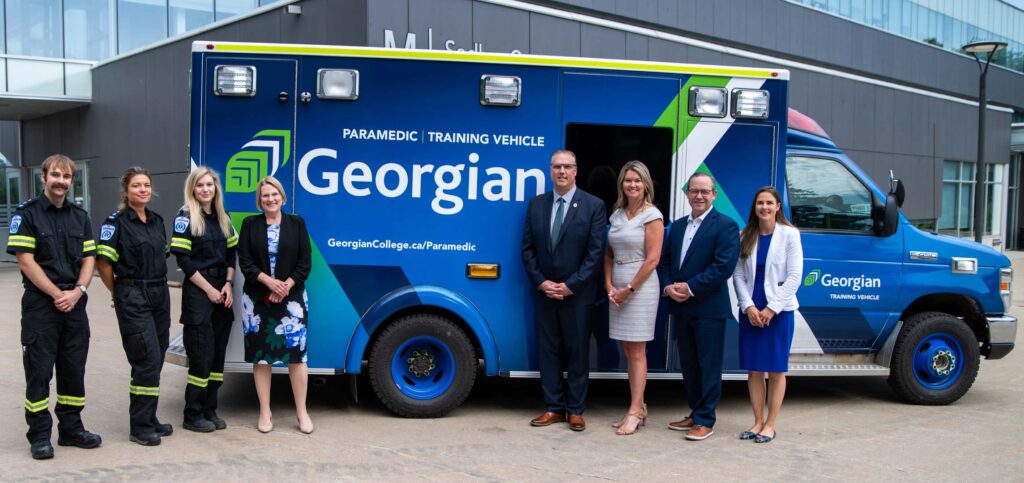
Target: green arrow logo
x,y
258,159
812,277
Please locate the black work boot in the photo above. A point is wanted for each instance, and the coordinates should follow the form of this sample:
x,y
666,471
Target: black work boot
x,y
145,439
217,422
42,450
82,439
199,425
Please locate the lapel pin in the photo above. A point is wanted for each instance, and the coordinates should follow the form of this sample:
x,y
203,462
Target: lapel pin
x,y
574,205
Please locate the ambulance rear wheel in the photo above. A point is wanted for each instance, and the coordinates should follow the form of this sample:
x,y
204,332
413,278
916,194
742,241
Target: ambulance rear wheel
x,y
935,360
422,366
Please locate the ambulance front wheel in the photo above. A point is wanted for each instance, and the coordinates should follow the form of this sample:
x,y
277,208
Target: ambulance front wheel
x,y
935,360
422,366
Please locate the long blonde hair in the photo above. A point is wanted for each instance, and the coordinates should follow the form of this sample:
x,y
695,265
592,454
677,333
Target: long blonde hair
x,y
645,177
197,222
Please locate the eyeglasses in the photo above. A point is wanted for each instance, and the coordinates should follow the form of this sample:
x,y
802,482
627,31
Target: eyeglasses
x,y
695,192
563,167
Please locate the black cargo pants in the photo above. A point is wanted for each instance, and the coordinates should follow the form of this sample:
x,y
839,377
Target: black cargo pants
x,y
206,330
143,309
50,337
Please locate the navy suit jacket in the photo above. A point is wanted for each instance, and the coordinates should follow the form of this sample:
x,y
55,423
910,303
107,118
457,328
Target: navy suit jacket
x,y
709,263
578,252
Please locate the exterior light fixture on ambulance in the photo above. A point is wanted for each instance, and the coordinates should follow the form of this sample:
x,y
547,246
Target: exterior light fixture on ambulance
x,y
501,90
337,84
235,80
965,265
483,270
707,102
750,103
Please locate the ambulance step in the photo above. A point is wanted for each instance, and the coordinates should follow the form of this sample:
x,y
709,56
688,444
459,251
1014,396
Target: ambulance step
x,y
810,369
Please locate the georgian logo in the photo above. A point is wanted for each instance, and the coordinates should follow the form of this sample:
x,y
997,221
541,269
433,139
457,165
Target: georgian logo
x,y
812,277
258,159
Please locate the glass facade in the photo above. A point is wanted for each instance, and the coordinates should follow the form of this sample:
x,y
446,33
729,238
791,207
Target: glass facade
x,y
949,24
48,46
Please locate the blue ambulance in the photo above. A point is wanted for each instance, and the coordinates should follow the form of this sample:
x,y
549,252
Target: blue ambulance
x,y
413,169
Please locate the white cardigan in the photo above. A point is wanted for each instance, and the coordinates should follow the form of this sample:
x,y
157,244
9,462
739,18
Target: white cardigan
x,y
784,265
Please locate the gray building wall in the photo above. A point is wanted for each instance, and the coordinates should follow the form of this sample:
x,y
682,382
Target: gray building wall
x,y
139,113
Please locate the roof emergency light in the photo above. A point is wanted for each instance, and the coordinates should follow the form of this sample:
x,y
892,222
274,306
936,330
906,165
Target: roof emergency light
x,y
750,103
235,80
707,102
337,84
501,90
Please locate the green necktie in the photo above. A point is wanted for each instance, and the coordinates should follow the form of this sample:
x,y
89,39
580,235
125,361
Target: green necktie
x,y
557,226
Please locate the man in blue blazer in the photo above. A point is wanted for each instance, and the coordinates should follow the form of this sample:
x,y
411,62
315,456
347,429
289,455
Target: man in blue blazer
x,y
563,246
696,263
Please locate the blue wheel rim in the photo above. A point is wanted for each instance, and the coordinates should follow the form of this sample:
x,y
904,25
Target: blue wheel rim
x,y
423,367
938,361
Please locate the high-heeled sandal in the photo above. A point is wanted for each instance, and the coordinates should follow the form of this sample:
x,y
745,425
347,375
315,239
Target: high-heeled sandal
x,y
619,422
265,429
641,421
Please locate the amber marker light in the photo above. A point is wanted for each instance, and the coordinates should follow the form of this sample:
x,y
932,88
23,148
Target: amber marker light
x,y
483,270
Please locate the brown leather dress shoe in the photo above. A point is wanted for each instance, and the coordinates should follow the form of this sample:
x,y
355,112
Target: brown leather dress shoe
x,y
576,422
699,433
685,425
547,419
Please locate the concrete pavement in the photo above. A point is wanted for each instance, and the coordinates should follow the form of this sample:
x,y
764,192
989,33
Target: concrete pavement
x,y
829,429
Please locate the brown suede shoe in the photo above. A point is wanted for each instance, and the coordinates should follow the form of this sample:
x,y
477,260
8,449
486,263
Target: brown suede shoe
x,y
699,433
547,419
576,422
685,425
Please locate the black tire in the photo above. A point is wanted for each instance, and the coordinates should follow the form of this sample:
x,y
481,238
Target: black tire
x,y
911,384
433,333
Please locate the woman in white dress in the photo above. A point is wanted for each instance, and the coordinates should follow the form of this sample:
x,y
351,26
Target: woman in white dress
x,y
634,248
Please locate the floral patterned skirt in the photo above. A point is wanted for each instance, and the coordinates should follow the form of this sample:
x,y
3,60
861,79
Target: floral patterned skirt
x,y
275,333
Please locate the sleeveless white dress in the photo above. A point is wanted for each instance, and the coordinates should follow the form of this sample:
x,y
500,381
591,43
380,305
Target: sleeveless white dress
x,y
633,321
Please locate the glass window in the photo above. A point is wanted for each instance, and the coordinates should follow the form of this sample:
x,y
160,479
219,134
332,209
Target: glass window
x,y
994,201
957,213
78,80
3,38
267,2
139,23
88,29
34,28
186,15
824,195
230,8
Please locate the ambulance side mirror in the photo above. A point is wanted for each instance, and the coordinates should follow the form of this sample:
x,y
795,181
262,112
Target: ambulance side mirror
x,y
886,213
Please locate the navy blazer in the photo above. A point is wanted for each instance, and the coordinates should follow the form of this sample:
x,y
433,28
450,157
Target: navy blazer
x,y
709,263
294,254
578,252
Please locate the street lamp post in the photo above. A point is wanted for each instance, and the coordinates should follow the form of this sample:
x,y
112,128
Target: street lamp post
x,y
974,49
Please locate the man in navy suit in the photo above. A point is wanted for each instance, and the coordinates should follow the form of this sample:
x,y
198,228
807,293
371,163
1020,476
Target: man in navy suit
x,y
563,246
696,263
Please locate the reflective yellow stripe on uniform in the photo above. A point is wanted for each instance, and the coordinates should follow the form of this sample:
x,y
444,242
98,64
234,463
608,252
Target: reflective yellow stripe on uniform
x,y
71,400
108,252
22,241
88,246
197,381
233,241
35,407
217,376
183,243
143,390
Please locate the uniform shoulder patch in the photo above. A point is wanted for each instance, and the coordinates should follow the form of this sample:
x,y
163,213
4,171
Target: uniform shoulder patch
x,y
15,223
107,231
181,224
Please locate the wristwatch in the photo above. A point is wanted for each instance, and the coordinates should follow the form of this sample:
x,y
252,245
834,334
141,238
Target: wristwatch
x,y
84,289
630,287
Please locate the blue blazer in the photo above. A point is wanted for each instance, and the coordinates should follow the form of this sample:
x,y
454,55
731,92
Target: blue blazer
x,y
709,263
578,252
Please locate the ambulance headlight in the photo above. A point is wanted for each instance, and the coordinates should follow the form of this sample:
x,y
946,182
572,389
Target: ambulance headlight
x,y
337,84
501,90
707,102
750,103
235,80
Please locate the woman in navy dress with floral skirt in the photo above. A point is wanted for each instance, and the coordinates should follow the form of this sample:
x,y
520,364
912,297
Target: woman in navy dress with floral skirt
x,y
274,255
766,280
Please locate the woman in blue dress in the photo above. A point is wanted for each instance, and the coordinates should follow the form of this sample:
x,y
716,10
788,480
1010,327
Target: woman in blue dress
x,y
766,280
